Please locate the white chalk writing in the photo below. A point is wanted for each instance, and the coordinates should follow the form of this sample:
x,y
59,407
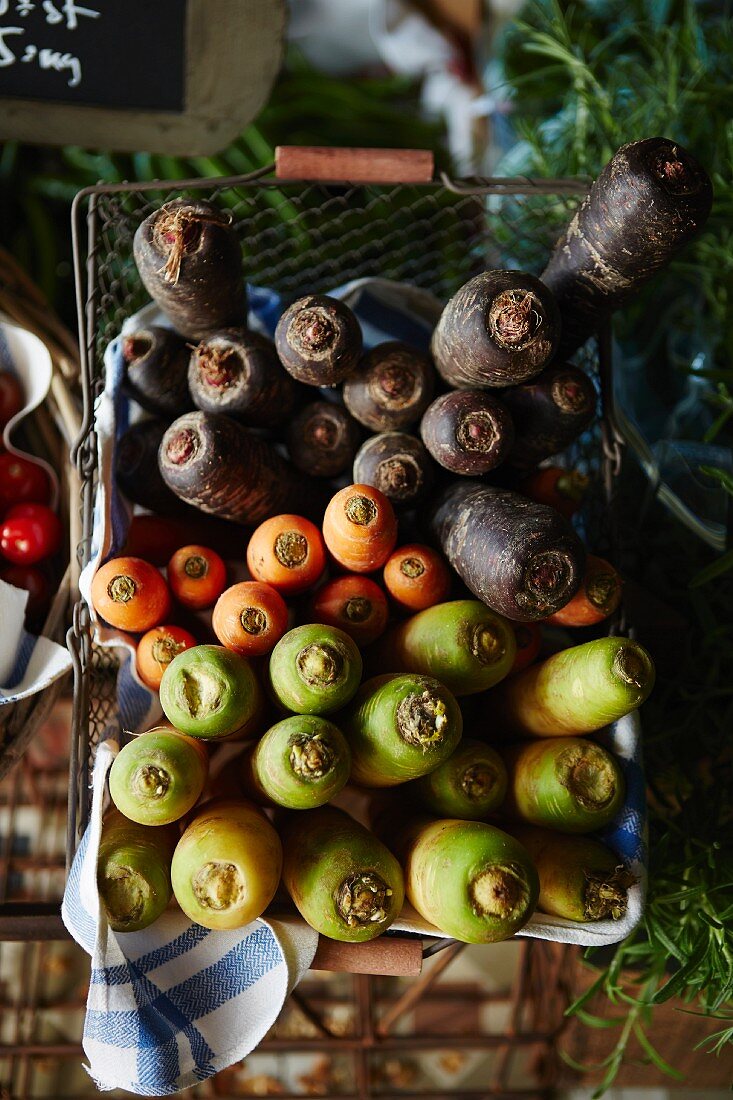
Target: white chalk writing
x,y
66,12
7,57
47,59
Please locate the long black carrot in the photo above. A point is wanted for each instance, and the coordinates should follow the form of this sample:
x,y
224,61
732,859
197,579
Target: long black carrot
x,y
650,200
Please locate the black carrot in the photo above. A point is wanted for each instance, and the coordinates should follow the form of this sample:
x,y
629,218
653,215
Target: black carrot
x,y
650,200
190,262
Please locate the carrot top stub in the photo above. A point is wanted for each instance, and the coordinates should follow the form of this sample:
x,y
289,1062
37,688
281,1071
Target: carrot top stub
x,y
580,878
577,690
468,878
343,880
464,644
568,784
360,528
399,728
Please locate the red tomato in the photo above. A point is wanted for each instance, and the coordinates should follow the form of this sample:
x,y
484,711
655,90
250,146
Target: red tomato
x,y
35,511
35,582
30,532
22,480
12,397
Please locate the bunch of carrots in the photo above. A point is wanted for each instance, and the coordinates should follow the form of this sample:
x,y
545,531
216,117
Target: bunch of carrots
x,y
342,659
389,613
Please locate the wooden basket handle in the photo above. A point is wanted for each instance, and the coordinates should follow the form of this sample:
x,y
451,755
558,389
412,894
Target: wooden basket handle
x,y
337,165
396,955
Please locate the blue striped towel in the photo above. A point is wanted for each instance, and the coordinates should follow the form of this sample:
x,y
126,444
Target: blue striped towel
x,y
174,1004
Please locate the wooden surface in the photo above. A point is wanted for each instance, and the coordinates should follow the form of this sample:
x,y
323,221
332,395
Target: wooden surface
x,y
387,955
311,162
233,54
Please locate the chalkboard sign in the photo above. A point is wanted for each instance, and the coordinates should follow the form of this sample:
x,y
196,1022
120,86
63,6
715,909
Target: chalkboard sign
x,y
102,53
159,76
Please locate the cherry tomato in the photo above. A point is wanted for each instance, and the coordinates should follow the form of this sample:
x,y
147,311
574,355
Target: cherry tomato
x,y
22,480
30,532
12,397
36,584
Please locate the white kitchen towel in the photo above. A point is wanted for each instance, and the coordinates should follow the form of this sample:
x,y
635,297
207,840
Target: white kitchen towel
x,y
173,1004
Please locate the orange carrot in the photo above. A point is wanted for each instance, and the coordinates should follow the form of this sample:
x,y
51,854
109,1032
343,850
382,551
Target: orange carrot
x,y
598,597
529,643
355,604
563,490
360,528
130,594
417,577
287,552
249,618
156,650
197,576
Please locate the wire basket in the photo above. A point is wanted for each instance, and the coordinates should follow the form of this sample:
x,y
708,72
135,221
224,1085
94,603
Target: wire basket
x,y
298,237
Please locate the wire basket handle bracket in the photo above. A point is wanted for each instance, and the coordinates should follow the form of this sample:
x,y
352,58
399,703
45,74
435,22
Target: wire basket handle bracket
x,y
338,165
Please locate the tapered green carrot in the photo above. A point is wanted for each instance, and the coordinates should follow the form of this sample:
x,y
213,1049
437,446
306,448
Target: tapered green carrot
x,y
580,878
343,880
133,871
210,692
577,690
462,643
471,784
226,866
301,762
400,727
469,879
563,783
157,777
315,669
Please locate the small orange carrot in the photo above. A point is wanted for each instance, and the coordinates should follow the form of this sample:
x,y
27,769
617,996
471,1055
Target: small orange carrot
x,y
360,528
598,596
355,604
529,643
130,594
197,576
416,577
563,490
156,650
249,618
287,552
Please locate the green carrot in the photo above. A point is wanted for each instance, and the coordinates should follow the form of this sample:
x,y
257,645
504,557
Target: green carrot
x,y
564,783
399,728
157,777
226,866
343,880
580,878
314,669
208,691
133,871
462,643
577,690
469,879
299,763
471,783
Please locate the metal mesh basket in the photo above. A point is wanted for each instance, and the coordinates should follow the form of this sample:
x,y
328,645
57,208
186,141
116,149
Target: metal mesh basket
x,y
302,237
